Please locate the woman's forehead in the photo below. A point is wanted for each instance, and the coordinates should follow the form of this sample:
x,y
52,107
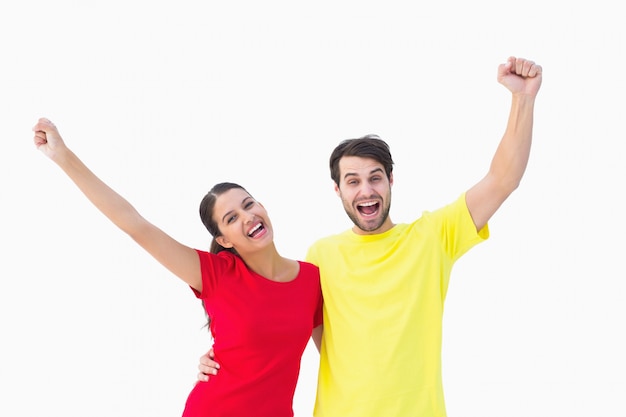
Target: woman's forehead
x,y
231,199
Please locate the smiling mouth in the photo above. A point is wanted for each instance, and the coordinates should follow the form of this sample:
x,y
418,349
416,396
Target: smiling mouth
x,y
256,230
368,209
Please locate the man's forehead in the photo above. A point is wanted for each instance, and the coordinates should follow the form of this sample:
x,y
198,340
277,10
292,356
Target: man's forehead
x,y
356,165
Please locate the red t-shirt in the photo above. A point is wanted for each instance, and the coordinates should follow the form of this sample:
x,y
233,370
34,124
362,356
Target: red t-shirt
x,y
260,330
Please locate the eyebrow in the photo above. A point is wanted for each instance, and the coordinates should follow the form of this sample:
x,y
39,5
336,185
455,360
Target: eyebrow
x,y
354,174
230,211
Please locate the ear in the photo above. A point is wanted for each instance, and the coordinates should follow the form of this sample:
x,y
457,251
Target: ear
x,y
391,178
337,190
224,242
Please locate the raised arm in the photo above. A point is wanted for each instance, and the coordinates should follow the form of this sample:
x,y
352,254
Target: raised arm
x,y
523,78
179,259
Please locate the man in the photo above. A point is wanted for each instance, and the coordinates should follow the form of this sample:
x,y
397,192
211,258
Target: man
x,y
384,284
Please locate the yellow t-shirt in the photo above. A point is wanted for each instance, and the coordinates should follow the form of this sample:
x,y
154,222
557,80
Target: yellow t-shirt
x,y
383,311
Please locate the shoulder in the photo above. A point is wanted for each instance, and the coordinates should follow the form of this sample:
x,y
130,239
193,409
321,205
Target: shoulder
x,y
308,276
222,260
337,237
453,209
220,255
308,268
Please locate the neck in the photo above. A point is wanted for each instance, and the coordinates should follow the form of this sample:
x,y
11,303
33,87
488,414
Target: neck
x,y
271,265
385,227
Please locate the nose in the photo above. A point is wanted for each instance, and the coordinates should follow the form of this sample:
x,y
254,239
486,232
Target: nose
x,y
248,217
366,189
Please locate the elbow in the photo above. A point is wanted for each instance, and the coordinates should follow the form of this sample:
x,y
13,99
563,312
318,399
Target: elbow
x,y
136,227
511,186
506,181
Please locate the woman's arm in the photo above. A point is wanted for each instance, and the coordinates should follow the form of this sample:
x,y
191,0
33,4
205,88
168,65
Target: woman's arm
x,y
179,259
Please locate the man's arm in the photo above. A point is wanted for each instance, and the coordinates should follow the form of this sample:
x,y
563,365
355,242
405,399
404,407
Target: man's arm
x,y
316,335
207,366
523,78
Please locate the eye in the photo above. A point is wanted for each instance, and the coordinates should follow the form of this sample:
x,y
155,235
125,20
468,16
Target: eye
x,y
231,219
249,204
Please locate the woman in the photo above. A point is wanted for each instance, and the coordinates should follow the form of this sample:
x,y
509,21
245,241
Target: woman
x,y
262,307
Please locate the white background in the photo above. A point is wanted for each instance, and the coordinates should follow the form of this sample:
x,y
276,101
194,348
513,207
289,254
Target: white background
x,y
164,99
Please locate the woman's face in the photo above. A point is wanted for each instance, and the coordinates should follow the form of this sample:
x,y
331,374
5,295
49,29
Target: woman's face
x,y
243,222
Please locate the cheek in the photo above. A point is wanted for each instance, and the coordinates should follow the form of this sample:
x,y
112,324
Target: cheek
x,y
383,189
346,198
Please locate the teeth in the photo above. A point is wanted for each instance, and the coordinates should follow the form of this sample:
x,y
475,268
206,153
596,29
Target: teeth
x,y
254,229
371,203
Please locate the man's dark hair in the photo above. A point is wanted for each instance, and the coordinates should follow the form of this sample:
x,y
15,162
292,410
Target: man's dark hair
x,y
368,146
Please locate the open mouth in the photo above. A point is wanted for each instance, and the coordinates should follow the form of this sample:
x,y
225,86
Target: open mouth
x,y
369,208
256,230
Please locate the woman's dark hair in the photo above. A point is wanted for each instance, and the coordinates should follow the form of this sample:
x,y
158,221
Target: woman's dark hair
x,y
369,146
207,206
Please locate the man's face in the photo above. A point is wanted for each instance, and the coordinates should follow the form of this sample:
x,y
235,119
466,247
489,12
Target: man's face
x,y
365,192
